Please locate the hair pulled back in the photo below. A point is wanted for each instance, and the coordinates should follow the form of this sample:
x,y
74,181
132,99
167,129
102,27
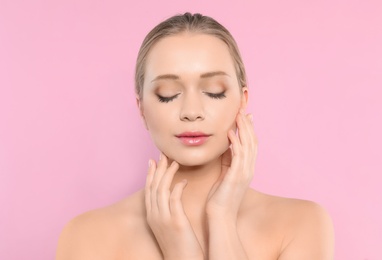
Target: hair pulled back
x,y
194,23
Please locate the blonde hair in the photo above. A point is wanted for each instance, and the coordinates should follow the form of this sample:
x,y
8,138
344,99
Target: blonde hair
x,y
195,23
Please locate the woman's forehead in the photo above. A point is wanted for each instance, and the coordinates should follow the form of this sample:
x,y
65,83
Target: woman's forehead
x,y
189,53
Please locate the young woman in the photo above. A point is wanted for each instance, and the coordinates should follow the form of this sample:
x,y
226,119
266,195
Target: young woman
x,y
197,204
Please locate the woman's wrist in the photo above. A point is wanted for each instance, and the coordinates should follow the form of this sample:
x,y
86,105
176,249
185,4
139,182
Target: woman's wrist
x,y
221,217
223,234
221,223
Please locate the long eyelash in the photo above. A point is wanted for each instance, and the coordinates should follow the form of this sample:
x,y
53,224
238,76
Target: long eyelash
x,y
166,99
216,95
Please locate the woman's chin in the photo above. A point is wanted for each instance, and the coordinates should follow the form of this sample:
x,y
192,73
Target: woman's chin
x,y
188,162
192,161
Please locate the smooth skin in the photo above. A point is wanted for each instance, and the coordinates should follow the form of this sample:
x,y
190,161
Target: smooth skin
x,y
197,203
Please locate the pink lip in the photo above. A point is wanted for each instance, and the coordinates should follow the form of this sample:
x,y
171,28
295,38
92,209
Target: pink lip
x,y
193,138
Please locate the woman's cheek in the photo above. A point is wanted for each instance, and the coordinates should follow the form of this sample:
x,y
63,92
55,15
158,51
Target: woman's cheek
x,y
230,121
155,128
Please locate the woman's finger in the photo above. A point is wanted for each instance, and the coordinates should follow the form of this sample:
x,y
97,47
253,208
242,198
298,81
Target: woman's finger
x,y
176,206
149,179
253,134
163,192
250,148
159,172
247,137
168,176
243,130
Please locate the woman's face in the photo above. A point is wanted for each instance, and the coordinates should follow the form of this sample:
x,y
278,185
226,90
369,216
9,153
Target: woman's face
x,y
191,97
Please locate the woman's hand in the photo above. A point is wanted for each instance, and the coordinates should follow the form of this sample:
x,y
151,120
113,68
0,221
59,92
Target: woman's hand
x,y
238,164
165,214
226,195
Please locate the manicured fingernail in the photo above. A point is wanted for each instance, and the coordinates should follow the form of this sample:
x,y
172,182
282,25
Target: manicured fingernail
x,y
150,163
160,155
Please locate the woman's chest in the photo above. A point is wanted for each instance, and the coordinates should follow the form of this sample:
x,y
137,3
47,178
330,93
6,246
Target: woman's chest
x,y
260,240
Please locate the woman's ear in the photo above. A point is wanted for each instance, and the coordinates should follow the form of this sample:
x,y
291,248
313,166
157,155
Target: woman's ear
x,y
244,97
141,112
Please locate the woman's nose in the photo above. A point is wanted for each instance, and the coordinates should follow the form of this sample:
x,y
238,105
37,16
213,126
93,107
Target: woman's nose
x,y
192,108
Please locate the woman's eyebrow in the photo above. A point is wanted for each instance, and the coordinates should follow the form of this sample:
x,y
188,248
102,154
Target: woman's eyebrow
x,y
166,76
204,75
213,73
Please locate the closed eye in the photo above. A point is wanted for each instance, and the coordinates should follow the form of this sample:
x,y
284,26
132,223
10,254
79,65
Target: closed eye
x,y
166,99
216,95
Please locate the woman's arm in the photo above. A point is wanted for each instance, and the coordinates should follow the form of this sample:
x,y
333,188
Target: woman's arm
x,y
224,241
226,196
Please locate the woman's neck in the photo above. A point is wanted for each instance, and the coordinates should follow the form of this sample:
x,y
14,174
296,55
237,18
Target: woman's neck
x,y
200,180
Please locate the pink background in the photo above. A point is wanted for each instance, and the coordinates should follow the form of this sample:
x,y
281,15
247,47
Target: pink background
x,y
71,138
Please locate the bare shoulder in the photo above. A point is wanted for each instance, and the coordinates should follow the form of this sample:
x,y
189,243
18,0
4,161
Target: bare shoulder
x,y
98,234
306,226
